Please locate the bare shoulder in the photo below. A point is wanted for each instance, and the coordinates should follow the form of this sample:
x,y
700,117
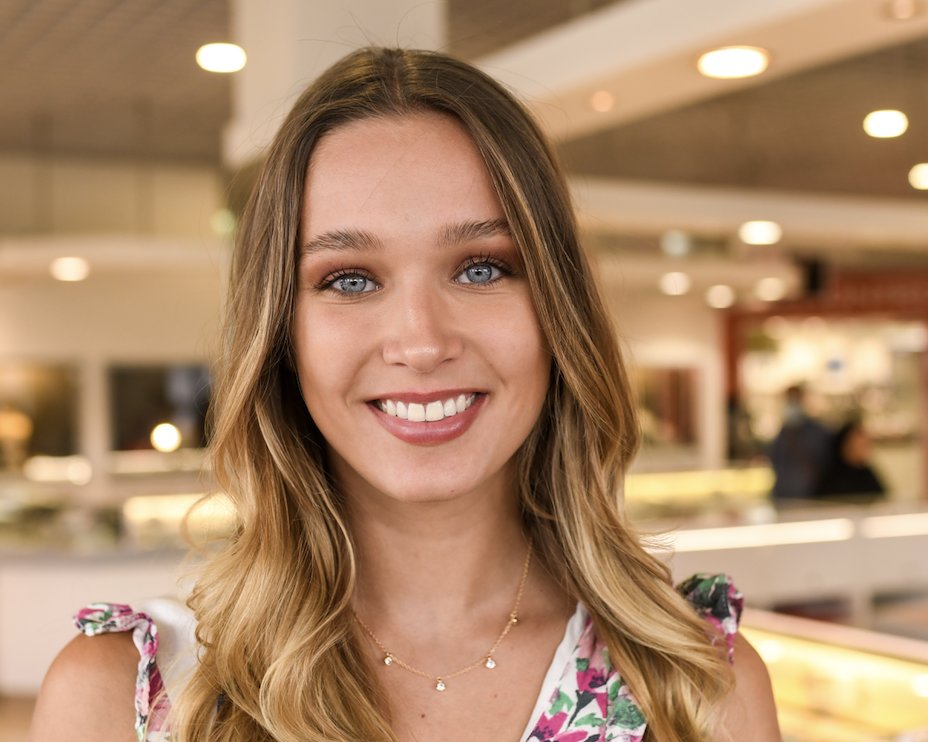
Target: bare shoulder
x,y
88,692
749,711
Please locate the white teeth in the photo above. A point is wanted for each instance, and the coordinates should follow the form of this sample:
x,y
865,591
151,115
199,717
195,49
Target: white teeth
x,y
430,412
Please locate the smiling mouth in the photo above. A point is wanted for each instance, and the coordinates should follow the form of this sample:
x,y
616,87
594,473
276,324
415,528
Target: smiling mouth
x,y
434,411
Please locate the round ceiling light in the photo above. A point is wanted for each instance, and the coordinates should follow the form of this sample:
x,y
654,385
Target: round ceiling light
x,y
760,232
165,437
221,57
70,269
720,296
886,124
675,283
730,62
770,289
918,176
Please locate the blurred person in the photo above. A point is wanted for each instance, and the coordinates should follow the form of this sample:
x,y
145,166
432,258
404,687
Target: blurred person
x,y
799,451
847,473
423,420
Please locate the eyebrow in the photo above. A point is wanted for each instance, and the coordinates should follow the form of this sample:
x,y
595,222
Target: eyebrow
x,y
356,239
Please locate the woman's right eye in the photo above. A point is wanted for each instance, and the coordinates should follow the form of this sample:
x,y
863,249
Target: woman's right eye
x,y
349,282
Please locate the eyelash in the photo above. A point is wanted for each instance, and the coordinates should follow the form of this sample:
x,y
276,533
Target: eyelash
x,y
327,283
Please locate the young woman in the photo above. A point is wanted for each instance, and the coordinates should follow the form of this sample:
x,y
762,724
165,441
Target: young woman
x,y
423,421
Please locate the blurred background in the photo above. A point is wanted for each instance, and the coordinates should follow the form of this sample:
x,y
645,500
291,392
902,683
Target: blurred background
x,y
758,220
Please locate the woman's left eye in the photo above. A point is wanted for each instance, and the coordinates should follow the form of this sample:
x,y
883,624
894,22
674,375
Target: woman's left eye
x,y
482,272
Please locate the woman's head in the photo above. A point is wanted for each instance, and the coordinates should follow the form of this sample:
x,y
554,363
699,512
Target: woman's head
x,y
386,84
274,608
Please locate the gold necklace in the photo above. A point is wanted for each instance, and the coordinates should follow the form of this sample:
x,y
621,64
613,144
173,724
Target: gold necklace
x,y
390,659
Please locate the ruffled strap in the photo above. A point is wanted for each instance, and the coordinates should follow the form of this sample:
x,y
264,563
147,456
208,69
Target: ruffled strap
x,y
718,601
151,704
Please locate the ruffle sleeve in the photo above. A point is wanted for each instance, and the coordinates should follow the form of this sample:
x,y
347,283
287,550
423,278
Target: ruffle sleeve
x,y
716,599
151,703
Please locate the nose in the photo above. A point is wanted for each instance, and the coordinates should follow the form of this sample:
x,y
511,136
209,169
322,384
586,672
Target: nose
x,y
422,330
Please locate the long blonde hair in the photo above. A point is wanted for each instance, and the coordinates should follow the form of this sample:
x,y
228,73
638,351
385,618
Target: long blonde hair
x,y
278,659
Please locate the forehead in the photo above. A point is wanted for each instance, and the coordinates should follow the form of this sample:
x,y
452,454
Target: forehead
x,y
399,170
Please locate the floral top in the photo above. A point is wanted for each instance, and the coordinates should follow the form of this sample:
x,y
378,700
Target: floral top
x,y
588,701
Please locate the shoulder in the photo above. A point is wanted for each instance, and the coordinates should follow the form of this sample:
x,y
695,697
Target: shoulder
x,y
749,711
88,692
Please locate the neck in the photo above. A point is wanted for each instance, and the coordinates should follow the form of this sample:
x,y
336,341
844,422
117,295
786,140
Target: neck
x,y
437,564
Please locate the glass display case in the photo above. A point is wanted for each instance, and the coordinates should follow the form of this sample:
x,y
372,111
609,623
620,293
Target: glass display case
x,y
839,684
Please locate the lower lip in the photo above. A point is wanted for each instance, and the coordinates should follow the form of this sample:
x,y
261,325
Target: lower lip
x,y
430,433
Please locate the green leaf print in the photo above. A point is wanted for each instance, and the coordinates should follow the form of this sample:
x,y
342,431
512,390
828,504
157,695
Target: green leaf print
x,y
583,664
563,703
590,720
626,714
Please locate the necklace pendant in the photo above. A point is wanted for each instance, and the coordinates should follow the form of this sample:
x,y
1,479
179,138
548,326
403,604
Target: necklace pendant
x,y
490,663
440,685
388,660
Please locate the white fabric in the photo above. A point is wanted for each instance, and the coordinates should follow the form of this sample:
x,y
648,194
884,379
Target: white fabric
x,y
562,655
177,641
176,656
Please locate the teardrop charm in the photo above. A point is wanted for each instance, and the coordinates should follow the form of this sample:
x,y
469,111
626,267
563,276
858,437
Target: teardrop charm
x,y
388,660
440,685
490,663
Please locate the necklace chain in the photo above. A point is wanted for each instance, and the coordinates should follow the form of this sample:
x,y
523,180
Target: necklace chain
x,y
486,660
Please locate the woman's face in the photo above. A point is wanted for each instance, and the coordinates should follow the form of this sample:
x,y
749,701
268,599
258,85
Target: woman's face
x,y
418,349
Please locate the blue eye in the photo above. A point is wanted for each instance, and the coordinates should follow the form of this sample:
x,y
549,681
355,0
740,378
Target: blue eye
x,y
352,283
480,273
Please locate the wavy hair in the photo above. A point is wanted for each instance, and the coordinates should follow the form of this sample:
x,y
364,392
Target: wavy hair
x,y
278,658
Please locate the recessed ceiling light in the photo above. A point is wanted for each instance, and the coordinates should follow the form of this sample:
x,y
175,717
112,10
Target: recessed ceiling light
x,y
602,101
165,437
760,232
918,176
734,61
886,124
70,269
221,57
720,296
770,289
675,283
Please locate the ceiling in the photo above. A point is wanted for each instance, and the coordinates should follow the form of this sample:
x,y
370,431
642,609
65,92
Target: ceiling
x,y
117,78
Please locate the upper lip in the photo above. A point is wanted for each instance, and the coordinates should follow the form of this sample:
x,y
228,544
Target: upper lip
x,y
424,397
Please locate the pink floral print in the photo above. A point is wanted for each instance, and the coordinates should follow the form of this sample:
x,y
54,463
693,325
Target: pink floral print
x,y
591,702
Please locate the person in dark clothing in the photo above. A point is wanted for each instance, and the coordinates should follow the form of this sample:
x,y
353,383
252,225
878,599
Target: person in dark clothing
x,y
799,453
848,474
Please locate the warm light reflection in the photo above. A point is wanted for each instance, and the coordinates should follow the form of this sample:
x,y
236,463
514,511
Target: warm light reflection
x,y
769,534
770,650
165,437
886,124
749,483
891,526
731,62
221,57
770,289
675,283
845,683
760,232
73,469
720,296
70,269
918,176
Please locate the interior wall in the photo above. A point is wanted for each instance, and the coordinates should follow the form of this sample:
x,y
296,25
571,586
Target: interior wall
x,y
676,332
